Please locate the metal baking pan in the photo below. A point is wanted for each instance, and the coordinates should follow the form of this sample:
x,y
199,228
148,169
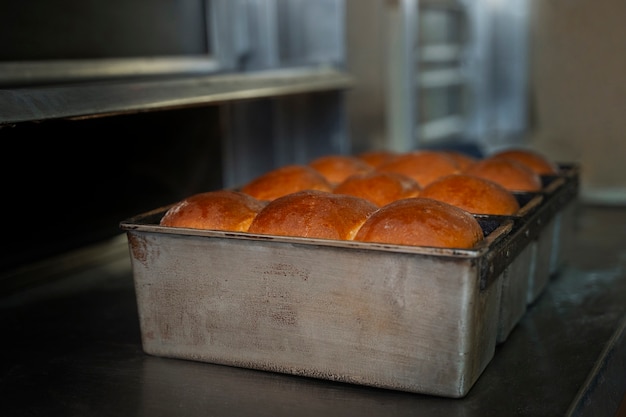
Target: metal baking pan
x,y
551,227
542,228
565,200
515,277
413,319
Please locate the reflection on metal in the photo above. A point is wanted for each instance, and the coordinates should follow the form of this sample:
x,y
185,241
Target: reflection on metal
x,y
21,73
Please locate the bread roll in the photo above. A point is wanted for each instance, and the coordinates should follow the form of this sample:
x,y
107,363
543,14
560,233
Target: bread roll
x,y
422,166
422,222
218,210
462,160
532,159
508,173
313,214
336,168
376,157
285,180
474,194
380,188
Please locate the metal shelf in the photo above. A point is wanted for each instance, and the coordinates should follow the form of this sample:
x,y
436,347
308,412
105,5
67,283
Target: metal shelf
x,y
94,99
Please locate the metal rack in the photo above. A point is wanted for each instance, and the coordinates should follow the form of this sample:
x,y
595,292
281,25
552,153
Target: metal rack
x,y
444,70
107,98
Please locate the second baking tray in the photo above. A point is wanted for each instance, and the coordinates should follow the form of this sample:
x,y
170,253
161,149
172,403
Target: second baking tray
x,y
542,228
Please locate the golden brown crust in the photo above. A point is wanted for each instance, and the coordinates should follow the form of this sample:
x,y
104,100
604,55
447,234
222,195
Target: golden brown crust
x,y
422,166
474,194
508,173
336,168
380,188
285,180
377,157
532,159
313,214
422,222
217,210
462,160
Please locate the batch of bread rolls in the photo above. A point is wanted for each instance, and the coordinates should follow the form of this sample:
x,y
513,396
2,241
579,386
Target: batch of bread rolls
x,y
423,197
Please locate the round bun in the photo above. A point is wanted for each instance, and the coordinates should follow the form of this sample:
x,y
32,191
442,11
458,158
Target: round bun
x,y
378,187
422,222
532,159
377,157
217,210
462,160
508,173
336,168
474,194
313,214
285,180
422,166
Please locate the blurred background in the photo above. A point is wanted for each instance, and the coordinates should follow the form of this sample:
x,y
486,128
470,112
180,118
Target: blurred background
x,y
110,109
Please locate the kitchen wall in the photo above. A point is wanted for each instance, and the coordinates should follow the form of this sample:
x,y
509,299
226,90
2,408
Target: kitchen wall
x,y
578,90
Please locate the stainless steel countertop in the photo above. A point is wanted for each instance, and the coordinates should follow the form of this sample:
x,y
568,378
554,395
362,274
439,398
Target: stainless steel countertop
x,y
72,347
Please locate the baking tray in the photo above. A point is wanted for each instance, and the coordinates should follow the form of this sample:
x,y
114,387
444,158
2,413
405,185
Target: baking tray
x,y
413,319
565,200
516,276
542,227
551,228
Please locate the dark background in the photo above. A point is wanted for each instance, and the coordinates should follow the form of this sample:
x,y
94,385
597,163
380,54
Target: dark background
x,y
68,183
